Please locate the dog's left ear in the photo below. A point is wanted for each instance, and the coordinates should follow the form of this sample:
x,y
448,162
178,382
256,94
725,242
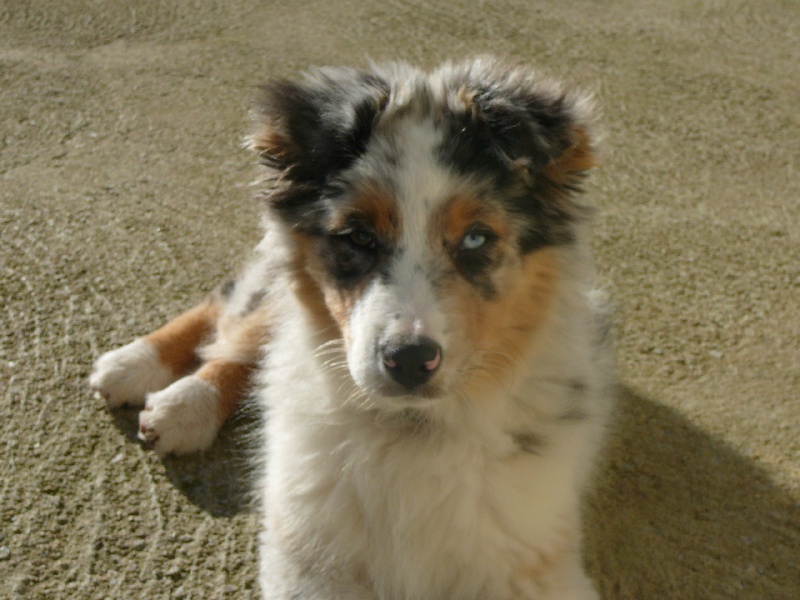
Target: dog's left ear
x,y
577,158
541,130
534,135
311,129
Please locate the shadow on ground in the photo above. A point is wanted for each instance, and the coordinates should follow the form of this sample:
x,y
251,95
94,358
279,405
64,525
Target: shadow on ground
x,y
680,512
220,480
674,509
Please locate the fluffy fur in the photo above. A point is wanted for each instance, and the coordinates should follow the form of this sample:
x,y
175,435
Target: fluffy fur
x,y
419,325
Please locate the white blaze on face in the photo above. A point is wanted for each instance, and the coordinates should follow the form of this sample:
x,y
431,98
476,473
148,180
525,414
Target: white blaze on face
x,y
405,305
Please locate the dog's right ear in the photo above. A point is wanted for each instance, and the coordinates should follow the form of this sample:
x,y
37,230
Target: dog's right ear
x,y
312,129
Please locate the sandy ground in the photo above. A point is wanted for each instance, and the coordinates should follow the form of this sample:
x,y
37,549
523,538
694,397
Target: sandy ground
x,y
124,198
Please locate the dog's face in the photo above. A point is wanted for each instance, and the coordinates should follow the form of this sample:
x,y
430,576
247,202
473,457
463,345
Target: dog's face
x,y
426,210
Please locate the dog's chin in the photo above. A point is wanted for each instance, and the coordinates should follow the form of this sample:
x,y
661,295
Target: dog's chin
x,y
430,392
385,394
407,408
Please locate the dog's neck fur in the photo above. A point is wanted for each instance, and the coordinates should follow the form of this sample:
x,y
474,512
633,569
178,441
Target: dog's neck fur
x,y
423,478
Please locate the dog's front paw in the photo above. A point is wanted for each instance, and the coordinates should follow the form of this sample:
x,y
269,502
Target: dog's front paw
x,y
182,418
126,375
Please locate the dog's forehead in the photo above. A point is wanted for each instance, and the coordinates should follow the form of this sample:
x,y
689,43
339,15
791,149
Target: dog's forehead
x,y
420,179
405,160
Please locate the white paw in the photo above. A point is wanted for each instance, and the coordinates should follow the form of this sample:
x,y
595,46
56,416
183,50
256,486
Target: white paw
x,y
182,418
126,375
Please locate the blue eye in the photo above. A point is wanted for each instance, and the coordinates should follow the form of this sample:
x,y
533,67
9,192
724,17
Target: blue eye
x,y
473,241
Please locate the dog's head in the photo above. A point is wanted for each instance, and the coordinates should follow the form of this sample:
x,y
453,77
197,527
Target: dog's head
x,y
427,211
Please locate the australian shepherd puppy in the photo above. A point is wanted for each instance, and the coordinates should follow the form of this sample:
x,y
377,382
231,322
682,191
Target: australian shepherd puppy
x,y
419,324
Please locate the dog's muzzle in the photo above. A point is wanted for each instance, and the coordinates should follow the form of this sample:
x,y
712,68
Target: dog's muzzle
x,y
411,364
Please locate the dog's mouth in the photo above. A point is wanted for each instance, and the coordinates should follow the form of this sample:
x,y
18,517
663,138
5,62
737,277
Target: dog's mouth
x,y
414,396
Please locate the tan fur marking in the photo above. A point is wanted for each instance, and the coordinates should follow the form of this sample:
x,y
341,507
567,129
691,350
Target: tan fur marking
x,y
177,341
340,303
240,338
377,210
234,354
547,559
467,98
269,143
463,211
231,380
306,286
577,158
501,328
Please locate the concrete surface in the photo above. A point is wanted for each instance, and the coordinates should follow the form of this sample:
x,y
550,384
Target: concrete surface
x,y
124,198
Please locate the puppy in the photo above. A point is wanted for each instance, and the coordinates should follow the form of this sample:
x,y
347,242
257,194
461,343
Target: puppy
x,y
419,324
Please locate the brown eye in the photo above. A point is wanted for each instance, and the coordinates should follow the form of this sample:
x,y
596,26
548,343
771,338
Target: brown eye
x,y
361,238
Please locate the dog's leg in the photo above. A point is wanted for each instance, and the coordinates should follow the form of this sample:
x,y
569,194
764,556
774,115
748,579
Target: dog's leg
x,y
186,416
126,375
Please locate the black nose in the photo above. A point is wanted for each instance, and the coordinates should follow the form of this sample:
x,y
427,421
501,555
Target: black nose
x,y
412,364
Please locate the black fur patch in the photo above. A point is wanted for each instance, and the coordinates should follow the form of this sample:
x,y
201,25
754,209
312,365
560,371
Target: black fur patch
x,y
507,136
255,300
529,442
346,263
315,129
510,139
226,288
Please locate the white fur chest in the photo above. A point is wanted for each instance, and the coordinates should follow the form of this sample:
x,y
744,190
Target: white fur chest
x,y
418,515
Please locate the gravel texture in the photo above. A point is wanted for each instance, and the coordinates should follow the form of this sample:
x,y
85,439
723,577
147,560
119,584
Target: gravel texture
x,y
124,198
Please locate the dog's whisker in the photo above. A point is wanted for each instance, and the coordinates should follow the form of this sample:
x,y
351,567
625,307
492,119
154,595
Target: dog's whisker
x,y
334,363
